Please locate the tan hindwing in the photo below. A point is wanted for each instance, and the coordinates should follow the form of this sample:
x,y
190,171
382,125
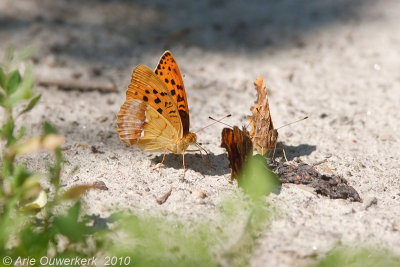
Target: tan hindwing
x,y
158,133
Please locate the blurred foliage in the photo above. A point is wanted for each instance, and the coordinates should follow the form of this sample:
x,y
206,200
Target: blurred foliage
x,y
29,223
358,257
152,241
257,179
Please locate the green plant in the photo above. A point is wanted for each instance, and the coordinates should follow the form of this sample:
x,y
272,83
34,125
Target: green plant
x,y
358,257
29,223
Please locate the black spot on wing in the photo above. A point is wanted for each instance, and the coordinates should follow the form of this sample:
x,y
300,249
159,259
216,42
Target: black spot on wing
x,y
159,110
168,104
173,92
145,98
180,98
155,91
157,100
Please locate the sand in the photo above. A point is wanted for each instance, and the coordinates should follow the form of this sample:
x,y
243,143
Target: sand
x,y
336,61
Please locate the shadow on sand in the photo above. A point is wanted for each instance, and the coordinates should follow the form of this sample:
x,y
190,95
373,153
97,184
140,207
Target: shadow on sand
x,y
193,161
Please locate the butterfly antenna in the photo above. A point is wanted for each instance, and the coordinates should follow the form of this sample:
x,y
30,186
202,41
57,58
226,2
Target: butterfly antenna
x,y
220,120
306,117
201,129
199,146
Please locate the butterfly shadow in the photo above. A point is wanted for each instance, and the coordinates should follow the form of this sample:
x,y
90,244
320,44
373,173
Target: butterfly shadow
x,y
294,151
193,161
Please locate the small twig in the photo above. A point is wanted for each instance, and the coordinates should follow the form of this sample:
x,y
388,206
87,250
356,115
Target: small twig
x,y
164,198
73,84
319,162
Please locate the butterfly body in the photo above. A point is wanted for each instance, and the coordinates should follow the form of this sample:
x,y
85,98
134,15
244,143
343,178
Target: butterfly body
x,y
183,143
155,115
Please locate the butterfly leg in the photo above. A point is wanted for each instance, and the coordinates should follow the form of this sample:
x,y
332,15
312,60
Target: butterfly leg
x,y
184,167
273,154
284,154
161,163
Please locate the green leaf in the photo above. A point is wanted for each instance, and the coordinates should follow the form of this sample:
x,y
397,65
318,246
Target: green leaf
x,y
31,104
9,53
24,54
20,175
34,242
27,83
257,179
24,90
73,212
48,128
7,131
70,226
2,79
21,132
1,98
13,80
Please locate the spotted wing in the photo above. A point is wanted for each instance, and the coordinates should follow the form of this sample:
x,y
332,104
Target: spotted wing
x,y
149,110
168,72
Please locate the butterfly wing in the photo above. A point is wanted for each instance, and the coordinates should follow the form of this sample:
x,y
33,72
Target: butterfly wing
x,y
238,145
130,121
158,133
149,117
168,72
263,134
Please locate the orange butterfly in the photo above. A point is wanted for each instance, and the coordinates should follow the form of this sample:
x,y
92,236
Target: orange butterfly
x,y
155,115
238,145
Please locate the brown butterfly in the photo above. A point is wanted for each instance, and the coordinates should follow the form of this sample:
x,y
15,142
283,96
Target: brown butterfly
x,y
239,146
155,115
263,134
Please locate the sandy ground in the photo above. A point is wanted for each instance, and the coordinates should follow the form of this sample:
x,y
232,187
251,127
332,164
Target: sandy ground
x,y
336,61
